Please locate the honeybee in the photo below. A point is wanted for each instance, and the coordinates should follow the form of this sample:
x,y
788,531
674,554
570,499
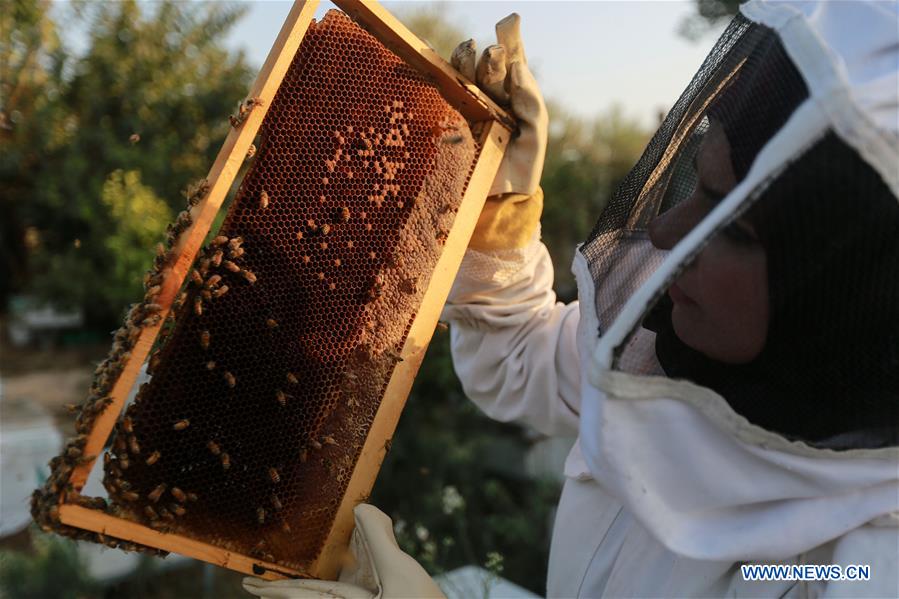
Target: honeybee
x,y
274,475
167,515
229,378
210,365
442,327
198,306
214,448
344,213
251,151
325,229
178,494
133,138
219,240
315,444
304,455
207,295
160,250
151,321
150,512
271,323
226,461
71,408
236,253
249,276
153,291
393,355
235,242
181,425
220,291
191,496
133,445
213,281
217,258
281,397
177,509
260,515
263,200
231,266
154,457
285,527
73,452
337,262
156,493
124,463
129,496
277,502
196,277
329,440
205,337
292,378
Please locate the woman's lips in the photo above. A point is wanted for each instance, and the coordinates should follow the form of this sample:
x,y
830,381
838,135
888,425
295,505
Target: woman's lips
x,y
678,296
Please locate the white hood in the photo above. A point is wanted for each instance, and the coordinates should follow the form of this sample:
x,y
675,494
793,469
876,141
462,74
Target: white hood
x,y
703,480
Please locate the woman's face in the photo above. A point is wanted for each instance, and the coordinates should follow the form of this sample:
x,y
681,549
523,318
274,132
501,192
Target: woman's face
x,y
721,300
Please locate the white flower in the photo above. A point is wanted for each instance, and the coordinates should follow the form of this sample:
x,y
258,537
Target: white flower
x,y
452,500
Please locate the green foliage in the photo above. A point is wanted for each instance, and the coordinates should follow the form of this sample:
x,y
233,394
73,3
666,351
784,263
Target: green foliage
x,y
431,24
585,161
150,95
53,569
453,494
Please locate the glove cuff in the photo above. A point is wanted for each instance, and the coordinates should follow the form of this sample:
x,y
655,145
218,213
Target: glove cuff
x,y
507,222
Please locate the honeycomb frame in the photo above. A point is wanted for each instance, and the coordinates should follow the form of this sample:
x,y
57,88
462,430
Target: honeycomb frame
x,y
492,128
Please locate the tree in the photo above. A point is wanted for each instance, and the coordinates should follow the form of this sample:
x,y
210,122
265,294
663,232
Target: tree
x,y
151,94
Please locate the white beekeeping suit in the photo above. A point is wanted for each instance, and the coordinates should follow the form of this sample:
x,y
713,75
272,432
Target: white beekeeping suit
x,y
732,364
731,367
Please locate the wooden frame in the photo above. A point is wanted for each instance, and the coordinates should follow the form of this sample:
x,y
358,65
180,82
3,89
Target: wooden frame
x,y
493,133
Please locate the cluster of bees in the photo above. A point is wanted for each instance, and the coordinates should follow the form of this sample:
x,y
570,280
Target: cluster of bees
x,y
125,449
215,267
58,488
243,111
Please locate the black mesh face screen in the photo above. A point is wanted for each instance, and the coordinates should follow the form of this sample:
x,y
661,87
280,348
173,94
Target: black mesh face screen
x,y
790,311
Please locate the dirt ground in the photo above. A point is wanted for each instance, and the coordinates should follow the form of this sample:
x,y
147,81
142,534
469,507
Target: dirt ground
x,y
51,378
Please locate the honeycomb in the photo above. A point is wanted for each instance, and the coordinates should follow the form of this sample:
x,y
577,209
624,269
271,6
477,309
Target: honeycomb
x,y
264,390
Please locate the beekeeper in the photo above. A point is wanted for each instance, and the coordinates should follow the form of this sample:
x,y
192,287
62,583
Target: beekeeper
x,y
731,368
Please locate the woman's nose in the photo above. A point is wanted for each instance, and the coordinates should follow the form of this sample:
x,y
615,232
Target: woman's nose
x,y
671,226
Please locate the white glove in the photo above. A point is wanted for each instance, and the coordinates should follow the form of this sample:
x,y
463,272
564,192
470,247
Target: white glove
x,y
381,569
503,73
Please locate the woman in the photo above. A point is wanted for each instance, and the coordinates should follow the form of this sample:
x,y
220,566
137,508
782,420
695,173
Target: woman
x,y
731,368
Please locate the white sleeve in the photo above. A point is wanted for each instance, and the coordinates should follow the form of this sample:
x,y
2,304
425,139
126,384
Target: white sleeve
x,y
514,347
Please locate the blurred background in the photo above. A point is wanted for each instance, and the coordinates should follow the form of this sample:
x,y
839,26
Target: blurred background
x,y
109,108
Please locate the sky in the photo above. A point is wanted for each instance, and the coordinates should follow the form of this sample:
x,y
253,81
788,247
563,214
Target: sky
x,y
585,55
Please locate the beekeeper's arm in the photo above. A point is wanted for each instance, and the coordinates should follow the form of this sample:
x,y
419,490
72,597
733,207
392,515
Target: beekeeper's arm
x,y
513,344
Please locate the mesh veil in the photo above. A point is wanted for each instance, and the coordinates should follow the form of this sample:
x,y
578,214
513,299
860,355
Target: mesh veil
x,y
827,224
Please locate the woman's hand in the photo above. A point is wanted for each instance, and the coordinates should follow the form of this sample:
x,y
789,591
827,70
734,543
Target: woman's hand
x,y
503,73
381,570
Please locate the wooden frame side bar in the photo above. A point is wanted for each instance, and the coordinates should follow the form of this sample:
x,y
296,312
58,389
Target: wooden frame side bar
x,y
493,140
220,178
118,528
464,95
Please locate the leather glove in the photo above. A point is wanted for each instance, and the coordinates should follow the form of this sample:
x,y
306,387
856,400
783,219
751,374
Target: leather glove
x,y
513,209
381,570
